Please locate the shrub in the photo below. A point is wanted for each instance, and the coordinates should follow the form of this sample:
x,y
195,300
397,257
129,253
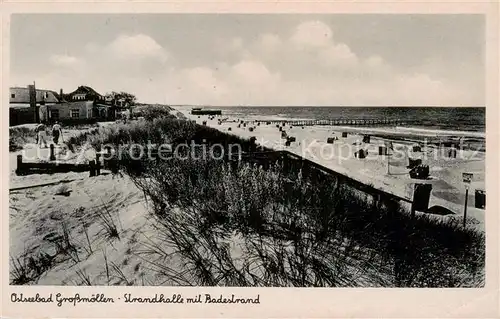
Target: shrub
x,y
19,136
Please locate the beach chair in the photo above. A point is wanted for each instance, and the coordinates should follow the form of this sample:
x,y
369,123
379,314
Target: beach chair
x,y
382,150
414,162
452,153
420,172
361,153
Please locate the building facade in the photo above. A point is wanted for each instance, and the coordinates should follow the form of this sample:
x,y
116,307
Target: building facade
x,y
20,97
82,104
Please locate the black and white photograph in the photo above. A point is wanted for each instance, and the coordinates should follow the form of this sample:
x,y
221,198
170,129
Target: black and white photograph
x,y
247,150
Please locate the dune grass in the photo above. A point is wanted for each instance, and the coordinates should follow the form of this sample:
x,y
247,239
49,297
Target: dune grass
x,y
296,230
19,136
228,223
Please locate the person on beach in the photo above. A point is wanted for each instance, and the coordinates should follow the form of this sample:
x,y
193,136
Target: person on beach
x,y
41,135
56,132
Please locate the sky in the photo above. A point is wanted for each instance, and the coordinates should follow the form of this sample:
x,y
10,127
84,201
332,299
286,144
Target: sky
x,y
256,59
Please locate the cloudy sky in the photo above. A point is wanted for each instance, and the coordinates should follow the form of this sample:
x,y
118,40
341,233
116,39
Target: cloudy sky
x,y
233,59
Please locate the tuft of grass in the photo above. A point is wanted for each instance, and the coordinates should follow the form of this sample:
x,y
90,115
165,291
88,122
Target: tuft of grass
x,y
84,277
29,267
108,223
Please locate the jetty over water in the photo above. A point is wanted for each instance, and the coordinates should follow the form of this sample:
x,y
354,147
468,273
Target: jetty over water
x,y
357,122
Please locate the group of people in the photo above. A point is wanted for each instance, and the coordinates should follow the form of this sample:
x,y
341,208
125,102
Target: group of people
x,y
41,134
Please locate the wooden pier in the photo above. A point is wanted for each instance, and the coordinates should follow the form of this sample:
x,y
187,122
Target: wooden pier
x,y
338,122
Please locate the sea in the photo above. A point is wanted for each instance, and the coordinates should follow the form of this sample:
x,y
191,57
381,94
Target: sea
x,y
437,118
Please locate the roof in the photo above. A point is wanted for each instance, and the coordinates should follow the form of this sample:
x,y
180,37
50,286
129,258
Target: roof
x,y
21,95
85,89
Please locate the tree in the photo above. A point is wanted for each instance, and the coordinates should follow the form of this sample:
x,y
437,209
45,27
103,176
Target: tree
x,y
123,98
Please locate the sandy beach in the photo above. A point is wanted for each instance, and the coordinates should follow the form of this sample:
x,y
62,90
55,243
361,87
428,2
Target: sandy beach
x,y
448,189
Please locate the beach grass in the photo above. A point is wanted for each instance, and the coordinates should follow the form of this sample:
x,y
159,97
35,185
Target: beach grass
x,y
291,230
233,223
295,232
19,136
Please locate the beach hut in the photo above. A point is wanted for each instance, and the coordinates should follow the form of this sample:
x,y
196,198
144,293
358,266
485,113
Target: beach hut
x,y
250,129
244,124
366,139
344,134
291,139
382,150
287,143
330,140
480,198
283,134
204,122
416,148
229,129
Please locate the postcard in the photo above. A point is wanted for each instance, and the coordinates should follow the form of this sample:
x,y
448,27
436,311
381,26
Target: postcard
x,y
250,160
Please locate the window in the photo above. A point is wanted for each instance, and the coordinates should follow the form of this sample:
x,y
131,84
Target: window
x,y
54,114
12,95
75,114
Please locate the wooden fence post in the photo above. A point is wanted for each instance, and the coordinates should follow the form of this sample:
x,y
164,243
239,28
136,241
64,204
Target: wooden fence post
x,y
52,153
97,164
92,168
284,158
20,168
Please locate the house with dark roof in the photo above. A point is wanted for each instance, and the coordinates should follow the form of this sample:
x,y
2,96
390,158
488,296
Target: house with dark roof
x,y
20,97
84,93
82,104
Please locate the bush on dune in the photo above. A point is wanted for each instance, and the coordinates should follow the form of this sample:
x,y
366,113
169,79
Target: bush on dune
x,y
19,136
150,112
